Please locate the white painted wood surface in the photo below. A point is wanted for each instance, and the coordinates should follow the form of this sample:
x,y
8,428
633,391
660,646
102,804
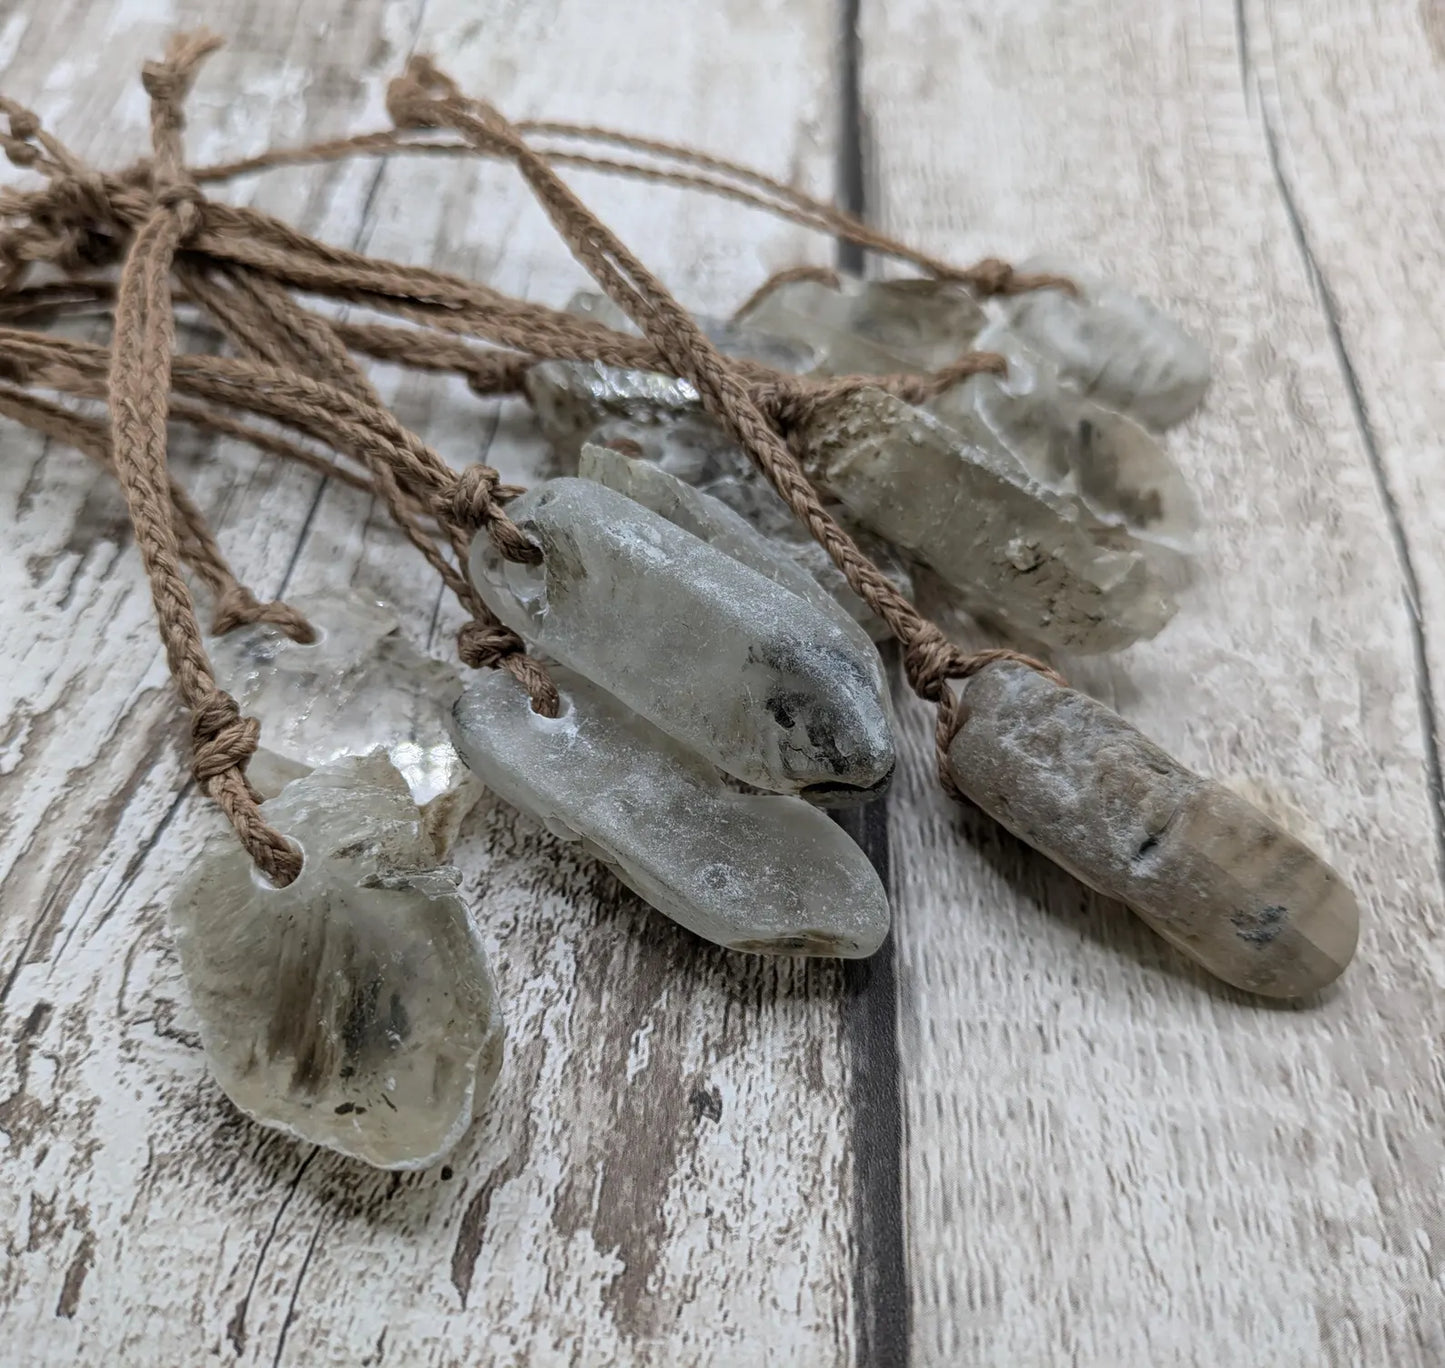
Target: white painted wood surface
x,y
1128,1164
1105,1159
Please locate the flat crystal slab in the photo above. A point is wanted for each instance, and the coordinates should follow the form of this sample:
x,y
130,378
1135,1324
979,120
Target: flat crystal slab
x,y
760,873
1113,346
1204,867
1078,449
746,673
872,327
361,685
1013,550
355,1008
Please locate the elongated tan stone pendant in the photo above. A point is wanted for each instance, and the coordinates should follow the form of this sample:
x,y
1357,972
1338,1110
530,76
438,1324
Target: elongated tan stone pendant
x,y
1204,867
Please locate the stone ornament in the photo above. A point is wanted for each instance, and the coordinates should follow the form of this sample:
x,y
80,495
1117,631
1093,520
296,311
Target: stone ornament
x,y
354,1008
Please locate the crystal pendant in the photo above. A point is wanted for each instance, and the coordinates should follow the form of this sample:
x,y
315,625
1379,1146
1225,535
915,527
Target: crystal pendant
x,y
1012,549
752,872
573,398
872,327
789,557
1107,463
1204,867
1113,347
730,338
747,674
360,685
355,1007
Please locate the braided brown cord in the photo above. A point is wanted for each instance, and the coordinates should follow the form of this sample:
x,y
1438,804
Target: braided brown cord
x,y
235,604
425,97
731,180
139,385
296,368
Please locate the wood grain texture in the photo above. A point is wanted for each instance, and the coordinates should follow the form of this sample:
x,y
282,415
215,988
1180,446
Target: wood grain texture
x,y
1109,1158
659,1177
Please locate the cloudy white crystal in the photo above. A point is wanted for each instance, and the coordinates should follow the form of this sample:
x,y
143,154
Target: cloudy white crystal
x,y
1014,551
714,522
354,1008
872,327
746,673
1106,462
1113,346
752,872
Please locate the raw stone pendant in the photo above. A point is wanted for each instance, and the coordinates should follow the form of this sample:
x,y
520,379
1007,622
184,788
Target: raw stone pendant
x,y
729,337
718,525
1204,867
1113,346
742,671
759,873
1012,549
573,398
354,1008
1111,466
361,685
696,451
578,402
872,327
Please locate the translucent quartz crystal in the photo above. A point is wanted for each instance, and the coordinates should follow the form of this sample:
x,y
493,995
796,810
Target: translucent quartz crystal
x,y
717,524
1204,867
354,1008
872,327
1112,466
1012,549
360,685
732,339
752,872
571,398
696,451
754,678
1114,346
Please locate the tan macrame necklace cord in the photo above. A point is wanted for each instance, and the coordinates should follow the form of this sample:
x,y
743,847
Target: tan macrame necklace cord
x,y
294,380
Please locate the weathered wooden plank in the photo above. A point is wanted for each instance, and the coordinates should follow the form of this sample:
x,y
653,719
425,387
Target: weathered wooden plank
x,y
1110,1159
663,1175
1349,98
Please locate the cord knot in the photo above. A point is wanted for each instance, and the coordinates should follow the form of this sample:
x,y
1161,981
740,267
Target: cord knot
x,y
23,124
474,500
991,276
411,97
178,194
161,81
929,659
21,154
485,645
239,607
221,738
